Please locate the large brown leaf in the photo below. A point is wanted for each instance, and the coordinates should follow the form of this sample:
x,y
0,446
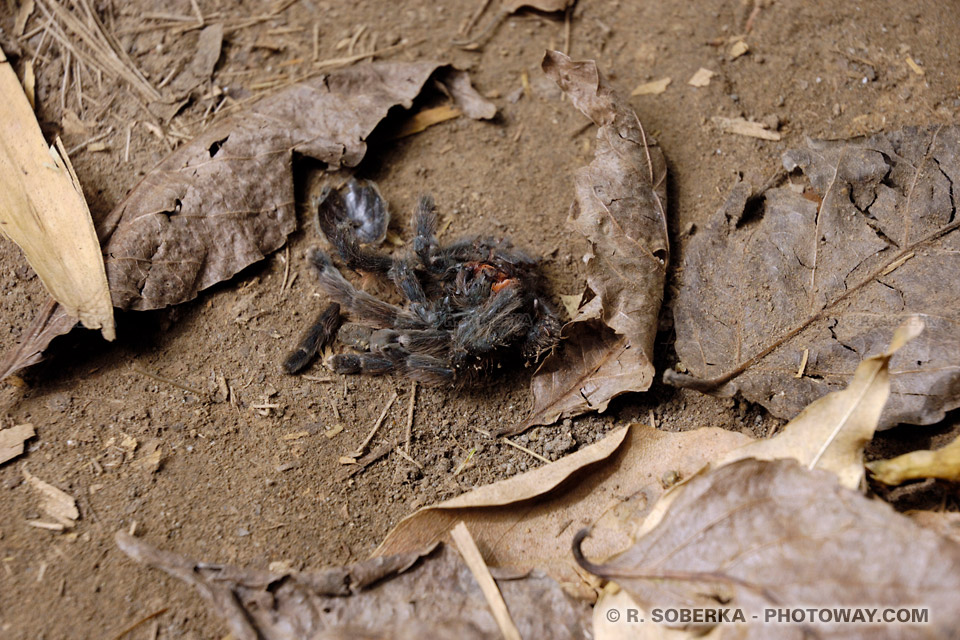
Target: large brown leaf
x,y
529,520
620,209
226,199
409,597
825,276
765,534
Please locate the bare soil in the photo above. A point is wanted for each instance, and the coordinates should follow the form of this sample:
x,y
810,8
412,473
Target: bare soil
x,y
249,476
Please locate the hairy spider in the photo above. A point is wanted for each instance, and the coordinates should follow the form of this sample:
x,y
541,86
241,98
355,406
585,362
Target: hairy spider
x,y
470,305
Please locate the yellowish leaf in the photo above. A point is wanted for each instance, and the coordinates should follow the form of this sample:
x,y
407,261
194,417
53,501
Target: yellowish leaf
x,y
832,431
943,463
43,210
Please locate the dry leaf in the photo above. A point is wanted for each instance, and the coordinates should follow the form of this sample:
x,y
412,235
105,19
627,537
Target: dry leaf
x,y
12,440
206,53
529,520
831,433
743,127
701,78
226,199
407,597
944,463
426,118
43,210
57,504
831,272
652,88
758,534
620,209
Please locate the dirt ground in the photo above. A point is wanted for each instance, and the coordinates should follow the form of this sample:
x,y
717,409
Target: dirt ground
x,y
250,477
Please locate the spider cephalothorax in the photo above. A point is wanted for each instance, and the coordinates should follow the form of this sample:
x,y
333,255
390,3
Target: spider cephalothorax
x,y
470,305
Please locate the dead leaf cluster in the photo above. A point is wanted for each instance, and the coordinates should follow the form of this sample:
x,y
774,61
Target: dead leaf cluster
x,y
620,209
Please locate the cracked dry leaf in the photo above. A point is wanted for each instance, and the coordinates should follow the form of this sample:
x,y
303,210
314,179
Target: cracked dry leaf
x,y
758,534
831,273
426,594
43,210
831,433
226,199
529,520
620,208
943,463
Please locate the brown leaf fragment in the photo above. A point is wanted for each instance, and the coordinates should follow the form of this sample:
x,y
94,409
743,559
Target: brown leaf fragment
x,y
776,274
620,209
226,199
12,440
427,594
200,70
528,521
943,463
56,503
756,535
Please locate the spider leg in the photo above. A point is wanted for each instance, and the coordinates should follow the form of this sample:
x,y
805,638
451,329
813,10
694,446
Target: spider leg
x,y
429,370
358,305
372,364
425,234
318,336
544,334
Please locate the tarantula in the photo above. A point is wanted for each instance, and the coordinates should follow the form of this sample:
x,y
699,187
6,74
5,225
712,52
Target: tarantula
x,y
469,304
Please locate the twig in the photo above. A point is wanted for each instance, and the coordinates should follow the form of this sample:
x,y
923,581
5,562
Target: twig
x,y
376,427
481,573
140,622
406,456
126,146
413,403
525,450
286,269
351,47
472,20
333,62
316,41
89,141
567,18
173,383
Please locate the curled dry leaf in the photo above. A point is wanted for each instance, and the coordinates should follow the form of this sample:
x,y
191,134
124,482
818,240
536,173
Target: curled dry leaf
x,y
620,209
409,596
831,433
43,210
943,463
226,199
759,534
830,273
529,520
